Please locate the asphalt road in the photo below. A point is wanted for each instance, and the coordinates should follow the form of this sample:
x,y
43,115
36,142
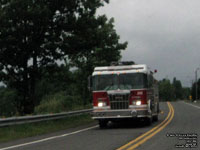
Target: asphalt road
x,y
185,121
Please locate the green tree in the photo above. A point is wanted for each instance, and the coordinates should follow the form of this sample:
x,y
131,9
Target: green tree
x,y
102,49
36,34
186,92
178,89
30,37
166,90
193,91
54,78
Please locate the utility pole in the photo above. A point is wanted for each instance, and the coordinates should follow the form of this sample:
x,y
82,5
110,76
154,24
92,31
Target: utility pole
x,y
196,82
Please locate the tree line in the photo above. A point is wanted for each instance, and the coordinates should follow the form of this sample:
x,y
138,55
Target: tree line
x,y
170,91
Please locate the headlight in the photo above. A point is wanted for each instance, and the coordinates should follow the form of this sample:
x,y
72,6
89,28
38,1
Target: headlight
x,y
138,103
101,104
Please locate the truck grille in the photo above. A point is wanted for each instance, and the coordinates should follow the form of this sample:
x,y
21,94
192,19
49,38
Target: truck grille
x,y
119,101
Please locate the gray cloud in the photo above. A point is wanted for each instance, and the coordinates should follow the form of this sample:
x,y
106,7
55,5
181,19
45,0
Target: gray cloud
x,y
164,34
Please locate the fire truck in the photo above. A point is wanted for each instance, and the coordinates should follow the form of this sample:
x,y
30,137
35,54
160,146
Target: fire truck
x,y
124,90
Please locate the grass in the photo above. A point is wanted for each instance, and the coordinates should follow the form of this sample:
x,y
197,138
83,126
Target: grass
x,y
33,129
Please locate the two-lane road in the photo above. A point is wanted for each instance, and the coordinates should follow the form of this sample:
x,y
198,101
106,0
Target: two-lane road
x,y
176,120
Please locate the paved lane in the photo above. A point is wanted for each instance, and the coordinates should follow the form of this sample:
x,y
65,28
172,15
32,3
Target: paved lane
x,y
186,121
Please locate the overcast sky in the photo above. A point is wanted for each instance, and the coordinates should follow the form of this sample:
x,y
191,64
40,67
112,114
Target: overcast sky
x,y
165,34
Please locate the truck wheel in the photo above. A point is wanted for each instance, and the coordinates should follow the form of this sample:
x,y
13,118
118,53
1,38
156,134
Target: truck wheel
x,y
103,123
148,121
155,118
158,108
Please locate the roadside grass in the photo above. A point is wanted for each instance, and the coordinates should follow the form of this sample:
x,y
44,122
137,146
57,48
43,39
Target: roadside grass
x,y
33,129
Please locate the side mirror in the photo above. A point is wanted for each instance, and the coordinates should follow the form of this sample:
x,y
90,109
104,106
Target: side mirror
x,y
90,83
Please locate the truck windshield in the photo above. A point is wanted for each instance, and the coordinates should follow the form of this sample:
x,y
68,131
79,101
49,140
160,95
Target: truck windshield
x,y
121,81
105,82
132,81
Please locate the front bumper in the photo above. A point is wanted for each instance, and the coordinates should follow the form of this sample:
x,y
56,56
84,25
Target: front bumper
x,y
122,113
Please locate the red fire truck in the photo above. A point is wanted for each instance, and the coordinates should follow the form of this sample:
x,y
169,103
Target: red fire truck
x,y
124,90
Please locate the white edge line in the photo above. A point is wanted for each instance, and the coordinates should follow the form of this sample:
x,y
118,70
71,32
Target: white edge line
x,y
192,105
46,139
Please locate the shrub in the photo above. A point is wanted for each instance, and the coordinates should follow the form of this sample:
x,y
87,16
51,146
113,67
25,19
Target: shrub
x,y
7,102
59,102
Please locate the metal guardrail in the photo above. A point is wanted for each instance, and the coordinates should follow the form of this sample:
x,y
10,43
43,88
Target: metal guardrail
x,y
36,118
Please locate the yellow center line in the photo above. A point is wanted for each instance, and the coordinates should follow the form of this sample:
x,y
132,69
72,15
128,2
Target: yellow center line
x,y
154,133
140,137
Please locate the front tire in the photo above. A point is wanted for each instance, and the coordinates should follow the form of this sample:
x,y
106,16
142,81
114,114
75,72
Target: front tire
x,y
148,121
103,123
155,118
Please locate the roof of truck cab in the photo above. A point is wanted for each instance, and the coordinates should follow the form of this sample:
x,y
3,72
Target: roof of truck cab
x,y
142,68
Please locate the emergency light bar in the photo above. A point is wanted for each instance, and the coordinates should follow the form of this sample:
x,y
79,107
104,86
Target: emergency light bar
x,y
122,63
117,69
